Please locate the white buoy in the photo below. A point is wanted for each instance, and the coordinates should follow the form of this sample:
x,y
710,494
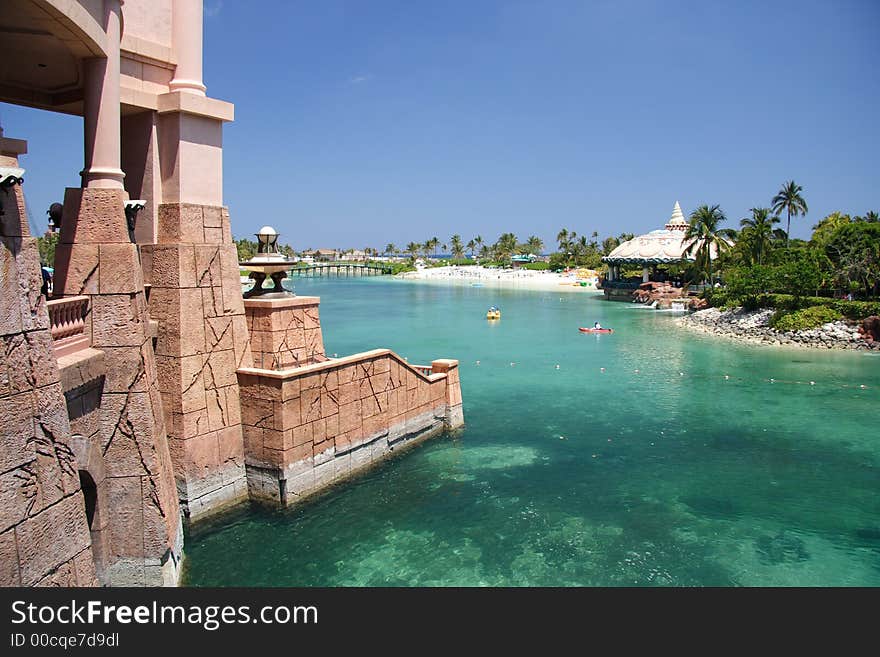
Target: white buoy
x,y
601,369
513,364
557,366
772,380
726,377
681,373
812,383
478,362
863,386
636,371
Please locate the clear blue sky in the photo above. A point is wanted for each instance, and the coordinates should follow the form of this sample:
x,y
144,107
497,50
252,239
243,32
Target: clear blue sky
x,y
363,123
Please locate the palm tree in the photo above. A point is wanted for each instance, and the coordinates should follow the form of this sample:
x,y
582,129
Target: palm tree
x,y
534,245
471,245
703,232
413,249
872,217
582,248
562,239
609,244
457,248
789,199
390,248
478,244
758,230
505,246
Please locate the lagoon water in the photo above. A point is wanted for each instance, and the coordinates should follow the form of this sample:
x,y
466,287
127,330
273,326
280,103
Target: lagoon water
x,y
679,464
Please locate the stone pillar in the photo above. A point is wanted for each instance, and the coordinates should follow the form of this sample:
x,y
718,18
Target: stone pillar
x,y
187,36
196,293
202,340
285,332
101,117
454,411
44,535
94,257
646,272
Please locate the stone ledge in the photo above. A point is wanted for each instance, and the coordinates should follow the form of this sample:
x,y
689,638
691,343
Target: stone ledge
x,y
80,367
290,302
294,372
187,103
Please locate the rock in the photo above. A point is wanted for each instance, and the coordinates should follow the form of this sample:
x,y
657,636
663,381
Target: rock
x,y
871,327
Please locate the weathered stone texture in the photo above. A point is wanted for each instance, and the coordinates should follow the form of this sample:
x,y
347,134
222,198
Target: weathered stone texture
x,y
42,519
202,340
307,427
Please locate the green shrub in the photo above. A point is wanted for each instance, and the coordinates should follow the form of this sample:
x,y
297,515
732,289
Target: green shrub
x,y
538,266
849,309
400,267
806,318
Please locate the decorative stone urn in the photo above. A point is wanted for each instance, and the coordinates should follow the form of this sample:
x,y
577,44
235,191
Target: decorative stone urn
x,y
268,262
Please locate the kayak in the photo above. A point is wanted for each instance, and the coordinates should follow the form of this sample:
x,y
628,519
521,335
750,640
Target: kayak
x,y
595,330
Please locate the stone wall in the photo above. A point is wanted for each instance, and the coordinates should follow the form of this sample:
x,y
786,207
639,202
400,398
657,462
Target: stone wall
x,y
44,535
82,380
309,426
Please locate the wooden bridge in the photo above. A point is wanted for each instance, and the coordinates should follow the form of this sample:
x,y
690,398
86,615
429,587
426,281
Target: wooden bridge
x,y
340,269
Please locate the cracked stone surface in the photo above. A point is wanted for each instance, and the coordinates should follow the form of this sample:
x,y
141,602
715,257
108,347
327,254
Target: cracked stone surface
x,y
44,536
202,341
305,427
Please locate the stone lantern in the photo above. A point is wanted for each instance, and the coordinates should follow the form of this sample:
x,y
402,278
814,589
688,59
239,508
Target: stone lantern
x,y
268,262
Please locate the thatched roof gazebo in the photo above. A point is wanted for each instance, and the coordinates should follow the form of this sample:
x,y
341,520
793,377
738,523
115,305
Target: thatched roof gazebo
x,y
659,247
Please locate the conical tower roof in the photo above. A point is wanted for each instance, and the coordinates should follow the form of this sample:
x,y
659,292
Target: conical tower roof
x,y
676,221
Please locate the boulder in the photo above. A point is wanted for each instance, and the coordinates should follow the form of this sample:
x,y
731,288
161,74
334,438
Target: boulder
x,y
870,328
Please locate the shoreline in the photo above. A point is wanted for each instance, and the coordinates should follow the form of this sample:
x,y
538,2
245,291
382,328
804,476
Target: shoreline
x,y
752,327
478,276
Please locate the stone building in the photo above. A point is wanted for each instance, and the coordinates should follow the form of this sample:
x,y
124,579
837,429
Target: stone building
x,y
121,413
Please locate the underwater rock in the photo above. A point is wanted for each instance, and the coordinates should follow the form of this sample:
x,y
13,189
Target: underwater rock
x,y
780,549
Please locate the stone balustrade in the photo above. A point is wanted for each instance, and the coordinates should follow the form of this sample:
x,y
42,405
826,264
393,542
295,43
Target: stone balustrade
x,y
67,322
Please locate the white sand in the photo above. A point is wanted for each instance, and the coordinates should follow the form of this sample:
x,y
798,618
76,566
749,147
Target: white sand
x,y
525,278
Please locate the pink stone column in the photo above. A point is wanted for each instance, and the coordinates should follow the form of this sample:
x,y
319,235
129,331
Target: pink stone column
x,y
187,35
44,532
101,117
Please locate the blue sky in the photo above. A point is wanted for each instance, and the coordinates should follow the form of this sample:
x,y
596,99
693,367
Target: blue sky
x,y
363,123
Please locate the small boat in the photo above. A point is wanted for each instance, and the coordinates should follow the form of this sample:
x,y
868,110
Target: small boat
x,y
493,313
595,330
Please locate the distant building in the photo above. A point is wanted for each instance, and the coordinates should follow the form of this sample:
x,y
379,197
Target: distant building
x,y
326,255
524,259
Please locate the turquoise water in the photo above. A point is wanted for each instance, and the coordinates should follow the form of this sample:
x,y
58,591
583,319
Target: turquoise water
x,y
656,471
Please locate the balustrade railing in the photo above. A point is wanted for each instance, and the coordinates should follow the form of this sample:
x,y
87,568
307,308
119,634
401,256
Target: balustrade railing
x,y
424,369
67,324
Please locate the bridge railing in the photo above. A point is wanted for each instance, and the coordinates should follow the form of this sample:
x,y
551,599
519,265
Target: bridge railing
x,y
67,324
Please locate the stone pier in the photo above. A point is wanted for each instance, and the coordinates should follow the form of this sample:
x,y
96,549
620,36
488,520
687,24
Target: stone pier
x,y
195,297
310,425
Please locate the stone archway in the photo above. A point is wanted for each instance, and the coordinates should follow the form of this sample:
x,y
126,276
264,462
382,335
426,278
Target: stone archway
x,y
49,40
90,495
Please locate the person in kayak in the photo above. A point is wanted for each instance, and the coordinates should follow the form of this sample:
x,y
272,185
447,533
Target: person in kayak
x,y
597,325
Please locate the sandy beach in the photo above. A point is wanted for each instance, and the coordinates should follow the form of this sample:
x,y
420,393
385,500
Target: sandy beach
x,y
525,278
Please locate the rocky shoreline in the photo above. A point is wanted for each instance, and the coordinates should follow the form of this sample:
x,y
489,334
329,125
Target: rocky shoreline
x,y
753,326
